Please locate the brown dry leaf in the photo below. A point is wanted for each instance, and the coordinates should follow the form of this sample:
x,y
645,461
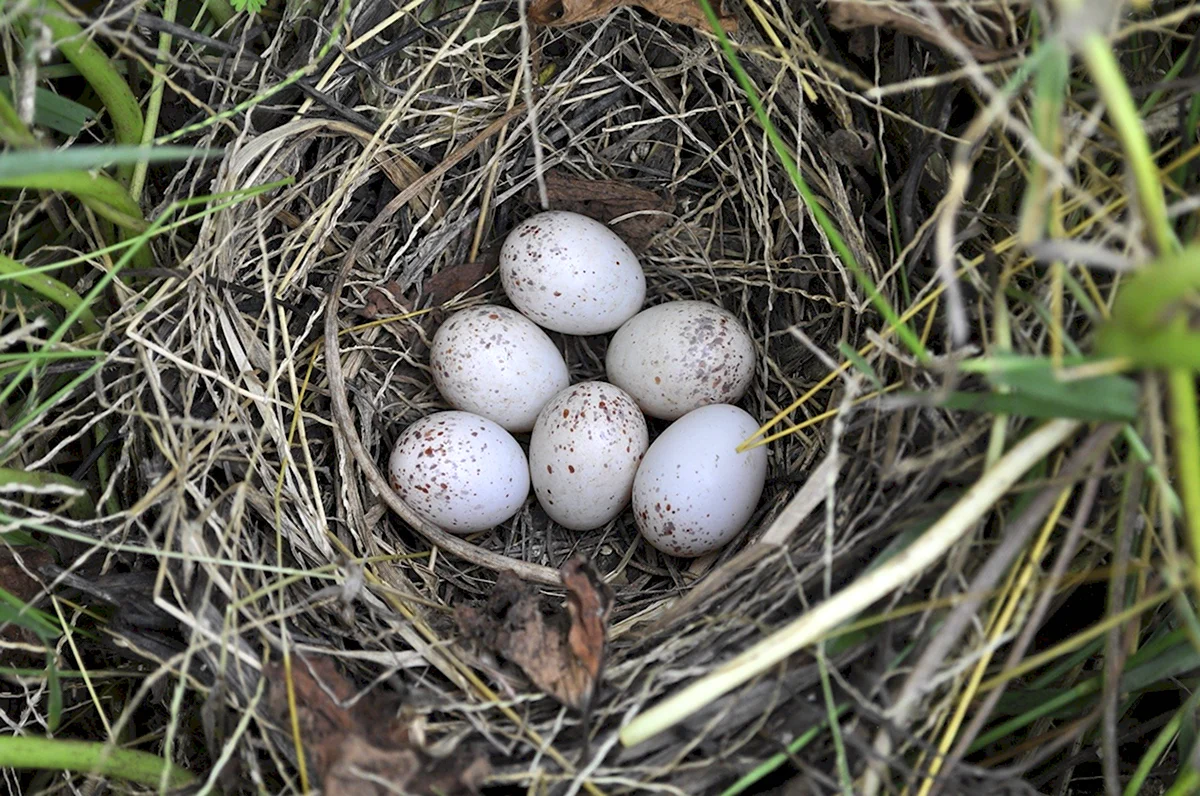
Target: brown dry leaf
x,y
362,769
589,602
562,652
15,566
851,14
364,750
557,13
385,301
605,200
474,279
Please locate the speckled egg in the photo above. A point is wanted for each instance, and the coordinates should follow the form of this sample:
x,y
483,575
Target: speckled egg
x,y
460,471
584,453
497,363
694,492
681,355
571,274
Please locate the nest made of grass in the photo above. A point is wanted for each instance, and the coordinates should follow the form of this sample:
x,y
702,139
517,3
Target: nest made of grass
x,y
274,535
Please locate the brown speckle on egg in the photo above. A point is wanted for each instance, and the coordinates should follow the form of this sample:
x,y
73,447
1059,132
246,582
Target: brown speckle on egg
x,y
459,497
614,438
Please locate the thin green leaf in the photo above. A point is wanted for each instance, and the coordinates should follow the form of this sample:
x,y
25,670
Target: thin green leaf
x,y
55,697
1037,378
775,761
88,757
14,611
82,158
55,111
17,538
859,362
1107,408
1141,671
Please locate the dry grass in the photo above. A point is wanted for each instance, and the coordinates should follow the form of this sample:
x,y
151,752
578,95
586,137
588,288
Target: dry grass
x,y
263,533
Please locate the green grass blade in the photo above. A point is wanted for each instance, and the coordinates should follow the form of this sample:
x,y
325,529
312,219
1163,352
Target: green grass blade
x,y
85,757
52,289
14,611
764,769
903,331
54,695
1159,745
861,363
55,111
15,165
94,64
1151,669
1119,405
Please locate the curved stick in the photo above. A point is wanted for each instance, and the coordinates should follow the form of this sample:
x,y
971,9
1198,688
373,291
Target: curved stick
x,y
344,429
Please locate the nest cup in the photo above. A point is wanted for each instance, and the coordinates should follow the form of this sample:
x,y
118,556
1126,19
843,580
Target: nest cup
x,y
651,138
646,582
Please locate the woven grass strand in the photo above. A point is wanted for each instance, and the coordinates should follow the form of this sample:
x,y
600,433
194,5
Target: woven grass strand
x,y
859,595
346,432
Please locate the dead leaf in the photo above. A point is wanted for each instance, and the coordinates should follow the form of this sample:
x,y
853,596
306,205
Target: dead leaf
x,y
851,14
473,279
361,769
385,301
562,652
557,13
363,750
605,200
589,602
16,564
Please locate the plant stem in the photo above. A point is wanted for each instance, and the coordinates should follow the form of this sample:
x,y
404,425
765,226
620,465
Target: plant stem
x,y
101,193
221,11
12,130
108,84
871,586
1181,383
88,757
138,181
1186,784
1106,72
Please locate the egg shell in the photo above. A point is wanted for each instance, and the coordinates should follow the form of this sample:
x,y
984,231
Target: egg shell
x,y
694,492
571,274
680,356
584,453
460,471
497,363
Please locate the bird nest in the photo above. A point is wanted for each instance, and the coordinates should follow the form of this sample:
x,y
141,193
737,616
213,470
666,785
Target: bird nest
x,y
262,381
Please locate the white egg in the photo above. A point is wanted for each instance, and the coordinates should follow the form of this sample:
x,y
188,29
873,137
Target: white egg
x,y
497,363
680,356
584,453
694,492
460,471
571,274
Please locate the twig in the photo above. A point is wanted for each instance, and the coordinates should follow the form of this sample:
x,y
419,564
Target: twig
x,y
344,422
1114,655
1049,590
868,588
985,580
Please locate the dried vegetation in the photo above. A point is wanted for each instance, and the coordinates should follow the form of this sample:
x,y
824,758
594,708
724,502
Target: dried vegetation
x,y
242,542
